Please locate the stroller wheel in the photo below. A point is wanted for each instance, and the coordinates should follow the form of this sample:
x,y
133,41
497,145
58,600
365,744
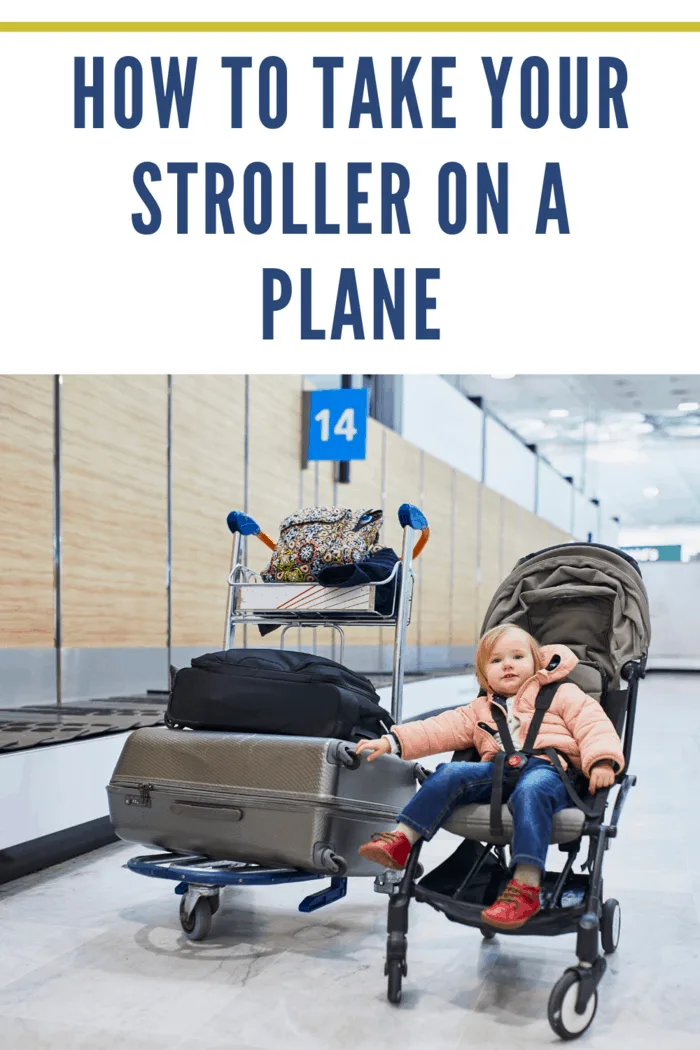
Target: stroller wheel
x,y
561,1012
488,935
610,926
395,972
198,923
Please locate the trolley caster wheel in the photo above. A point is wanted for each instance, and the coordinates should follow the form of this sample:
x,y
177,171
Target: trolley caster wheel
x,y
561,1012
396,973
197,924
610,926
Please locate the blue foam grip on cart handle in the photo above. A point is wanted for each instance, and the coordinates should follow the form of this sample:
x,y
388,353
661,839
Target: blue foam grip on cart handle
x,y
412,517
243,523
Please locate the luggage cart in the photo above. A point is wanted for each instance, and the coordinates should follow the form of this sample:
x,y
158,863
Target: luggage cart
x,y
252,601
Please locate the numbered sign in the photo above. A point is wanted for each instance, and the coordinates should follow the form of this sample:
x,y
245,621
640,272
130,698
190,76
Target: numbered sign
x,y
337,427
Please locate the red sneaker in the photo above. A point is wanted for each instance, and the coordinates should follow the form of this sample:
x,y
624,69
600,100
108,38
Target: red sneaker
x,y
388,848
514,907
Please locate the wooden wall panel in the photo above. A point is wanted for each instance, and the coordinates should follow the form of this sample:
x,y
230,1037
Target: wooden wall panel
x,y
437,560
274,456
274,466
365,493
208,468
26,511
544,532
491,550
512,542
530,530
114,495
464,608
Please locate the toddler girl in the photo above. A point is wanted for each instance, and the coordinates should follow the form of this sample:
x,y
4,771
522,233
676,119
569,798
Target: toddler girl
x,y
511,667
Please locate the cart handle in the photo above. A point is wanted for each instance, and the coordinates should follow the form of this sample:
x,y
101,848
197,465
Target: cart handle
x,y
247,526
410,517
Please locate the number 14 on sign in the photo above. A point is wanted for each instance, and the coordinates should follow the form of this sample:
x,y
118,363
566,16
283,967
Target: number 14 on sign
x,y
345,427
337,425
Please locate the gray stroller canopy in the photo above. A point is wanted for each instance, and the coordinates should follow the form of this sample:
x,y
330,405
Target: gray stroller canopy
x,y
584,595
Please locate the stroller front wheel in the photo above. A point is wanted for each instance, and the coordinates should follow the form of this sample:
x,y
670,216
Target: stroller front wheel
x,y
610,926
561,1012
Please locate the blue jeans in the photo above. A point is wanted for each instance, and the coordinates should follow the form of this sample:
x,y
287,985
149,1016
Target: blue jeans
x,y
538,794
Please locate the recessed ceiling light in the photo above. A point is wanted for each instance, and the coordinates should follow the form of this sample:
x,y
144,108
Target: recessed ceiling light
x,y
503,376
685,430
633,417
689,406
530,426
650,491
559,413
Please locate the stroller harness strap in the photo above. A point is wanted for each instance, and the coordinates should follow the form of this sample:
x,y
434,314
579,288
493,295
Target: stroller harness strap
x,y
509,763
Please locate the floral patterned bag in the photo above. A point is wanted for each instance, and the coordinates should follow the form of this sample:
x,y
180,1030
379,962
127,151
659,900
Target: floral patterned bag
x,y
317,537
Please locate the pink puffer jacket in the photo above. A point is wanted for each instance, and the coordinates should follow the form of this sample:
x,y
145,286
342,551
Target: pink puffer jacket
x,y
575,724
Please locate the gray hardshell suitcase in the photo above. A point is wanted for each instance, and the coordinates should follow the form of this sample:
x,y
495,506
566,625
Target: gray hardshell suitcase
x,y
299,802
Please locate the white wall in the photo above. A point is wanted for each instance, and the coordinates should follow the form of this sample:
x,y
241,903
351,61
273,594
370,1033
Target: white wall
x,y
554,497
441,421
673,588
585,518
511,467
49,789
609,531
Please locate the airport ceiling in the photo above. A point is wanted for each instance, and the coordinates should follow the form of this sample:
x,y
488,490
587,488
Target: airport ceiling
x,y
633,441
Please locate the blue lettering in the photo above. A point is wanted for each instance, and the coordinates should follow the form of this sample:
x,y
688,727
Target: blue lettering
x,y
347,293
147,197
271,302
173,89
95,91
365,79
556,211
120,69
236,65
217,199
497,85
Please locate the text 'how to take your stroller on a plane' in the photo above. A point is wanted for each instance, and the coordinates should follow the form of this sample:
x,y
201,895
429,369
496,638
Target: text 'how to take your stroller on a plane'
x,y
592,599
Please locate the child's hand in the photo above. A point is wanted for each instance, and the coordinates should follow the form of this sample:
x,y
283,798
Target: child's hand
x,y
603,776
375,747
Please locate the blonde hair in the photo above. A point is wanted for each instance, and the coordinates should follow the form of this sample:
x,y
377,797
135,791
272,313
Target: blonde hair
x,y
488,644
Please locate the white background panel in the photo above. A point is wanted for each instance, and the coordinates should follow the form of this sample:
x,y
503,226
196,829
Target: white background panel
x,y
510,466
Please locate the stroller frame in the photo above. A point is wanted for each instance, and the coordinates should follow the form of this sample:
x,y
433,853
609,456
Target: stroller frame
x,y
593,919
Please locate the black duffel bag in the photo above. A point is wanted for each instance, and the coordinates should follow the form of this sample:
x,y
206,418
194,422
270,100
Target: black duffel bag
x,y
275,691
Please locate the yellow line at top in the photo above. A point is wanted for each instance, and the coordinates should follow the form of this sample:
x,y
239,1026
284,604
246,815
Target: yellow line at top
x,y
350,27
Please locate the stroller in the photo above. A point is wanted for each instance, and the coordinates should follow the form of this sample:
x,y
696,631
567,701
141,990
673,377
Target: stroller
x,y
591,598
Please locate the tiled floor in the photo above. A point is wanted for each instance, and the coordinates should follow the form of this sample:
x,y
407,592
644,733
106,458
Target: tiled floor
x,y
92,956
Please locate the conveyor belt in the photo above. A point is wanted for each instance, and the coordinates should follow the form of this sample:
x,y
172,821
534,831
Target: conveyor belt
x,y
41,725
